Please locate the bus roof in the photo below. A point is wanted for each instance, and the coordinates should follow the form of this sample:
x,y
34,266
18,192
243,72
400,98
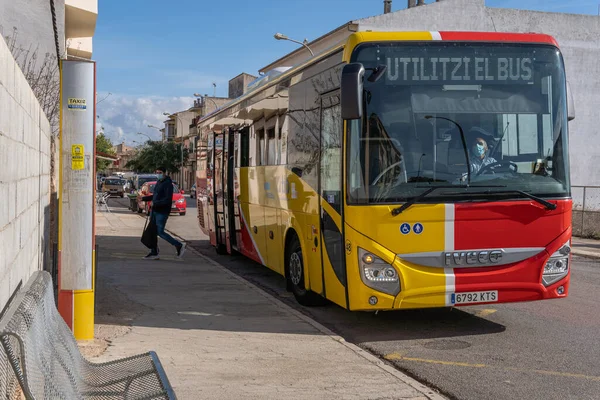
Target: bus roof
x,y
457,36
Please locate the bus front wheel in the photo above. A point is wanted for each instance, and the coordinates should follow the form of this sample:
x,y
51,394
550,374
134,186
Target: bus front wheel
x,y
295,275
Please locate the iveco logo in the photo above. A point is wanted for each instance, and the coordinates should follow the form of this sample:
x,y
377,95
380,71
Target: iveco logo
x,y
479,257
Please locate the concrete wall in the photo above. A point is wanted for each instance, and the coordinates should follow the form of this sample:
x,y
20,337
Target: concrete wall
x,y
33,21
24,178
238,85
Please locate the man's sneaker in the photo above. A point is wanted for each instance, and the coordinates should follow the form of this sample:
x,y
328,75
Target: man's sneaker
x,y
180,250
152,256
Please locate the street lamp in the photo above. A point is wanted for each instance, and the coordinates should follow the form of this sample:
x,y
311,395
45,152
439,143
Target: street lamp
x,y
181,170
149,138
281,36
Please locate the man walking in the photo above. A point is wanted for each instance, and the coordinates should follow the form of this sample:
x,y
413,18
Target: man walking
x,y
161,208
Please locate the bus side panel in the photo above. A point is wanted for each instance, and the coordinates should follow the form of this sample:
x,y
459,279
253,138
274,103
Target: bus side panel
x,y
335,289
275,200
256,222
246,243
256,217
272,238
251,215
303,207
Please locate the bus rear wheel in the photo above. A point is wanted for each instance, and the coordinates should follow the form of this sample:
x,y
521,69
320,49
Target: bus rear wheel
x,y
294,264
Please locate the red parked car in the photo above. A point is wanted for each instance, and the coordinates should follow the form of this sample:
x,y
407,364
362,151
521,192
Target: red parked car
x,y
177,206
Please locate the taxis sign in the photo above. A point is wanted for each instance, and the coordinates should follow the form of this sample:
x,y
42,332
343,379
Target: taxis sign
x,y
76,104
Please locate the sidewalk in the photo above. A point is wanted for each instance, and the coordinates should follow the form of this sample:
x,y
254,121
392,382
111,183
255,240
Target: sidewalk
x,y
220,337
586,248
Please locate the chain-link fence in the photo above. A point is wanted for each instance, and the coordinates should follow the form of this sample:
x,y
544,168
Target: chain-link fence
x,y
586,211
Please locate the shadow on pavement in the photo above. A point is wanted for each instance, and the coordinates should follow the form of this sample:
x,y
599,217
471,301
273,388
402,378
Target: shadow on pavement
x,y
359,327
180,294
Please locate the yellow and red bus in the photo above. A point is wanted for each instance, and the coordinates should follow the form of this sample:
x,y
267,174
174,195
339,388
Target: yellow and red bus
x,y
399,170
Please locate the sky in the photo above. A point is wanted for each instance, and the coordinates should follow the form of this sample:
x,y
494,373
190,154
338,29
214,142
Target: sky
x,y
153,55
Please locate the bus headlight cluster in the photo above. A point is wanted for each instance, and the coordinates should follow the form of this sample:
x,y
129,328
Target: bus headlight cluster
x,y
377,274
557,266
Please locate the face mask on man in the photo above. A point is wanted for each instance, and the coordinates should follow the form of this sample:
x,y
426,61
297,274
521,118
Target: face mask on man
x,y
161,176
479,149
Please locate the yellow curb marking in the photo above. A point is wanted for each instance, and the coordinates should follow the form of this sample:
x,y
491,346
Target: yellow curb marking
x,y
399,357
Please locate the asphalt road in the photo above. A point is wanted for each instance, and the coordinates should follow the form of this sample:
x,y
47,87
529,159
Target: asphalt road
x,y
538,350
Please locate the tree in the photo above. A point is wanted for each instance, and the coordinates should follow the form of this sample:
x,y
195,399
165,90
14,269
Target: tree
x,y
103,145
159,154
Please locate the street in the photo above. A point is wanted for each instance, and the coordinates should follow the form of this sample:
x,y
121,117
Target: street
x,y
545,350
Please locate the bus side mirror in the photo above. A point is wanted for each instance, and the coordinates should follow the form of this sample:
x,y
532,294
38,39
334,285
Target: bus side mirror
x,y
570,104
352,90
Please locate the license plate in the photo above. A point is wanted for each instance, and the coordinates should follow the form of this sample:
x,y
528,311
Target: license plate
x,y
474,297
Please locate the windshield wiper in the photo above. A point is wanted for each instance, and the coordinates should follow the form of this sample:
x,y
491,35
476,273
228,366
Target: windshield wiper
x,y
546,204
430,189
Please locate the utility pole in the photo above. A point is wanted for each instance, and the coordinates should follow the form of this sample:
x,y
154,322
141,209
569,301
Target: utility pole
x,y
77,188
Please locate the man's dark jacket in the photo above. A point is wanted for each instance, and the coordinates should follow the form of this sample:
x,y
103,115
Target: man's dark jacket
x,y
162,197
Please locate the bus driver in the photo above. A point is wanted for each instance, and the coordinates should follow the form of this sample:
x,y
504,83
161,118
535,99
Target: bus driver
x,y
479,152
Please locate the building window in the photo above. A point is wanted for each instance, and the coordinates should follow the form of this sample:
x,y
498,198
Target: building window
x,y
260,151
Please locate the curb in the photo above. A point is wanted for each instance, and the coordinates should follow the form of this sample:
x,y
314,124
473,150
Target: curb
x,y
413,383
585,253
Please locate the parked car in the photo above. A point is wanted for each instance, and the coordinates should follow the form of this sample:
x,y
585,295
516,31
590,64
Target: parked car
x,y
178,205
193,191
114,185
140,179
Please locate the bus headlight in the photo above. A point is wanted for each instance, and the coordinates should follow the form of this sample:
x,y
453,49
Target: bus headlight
x,y
557,266
377,274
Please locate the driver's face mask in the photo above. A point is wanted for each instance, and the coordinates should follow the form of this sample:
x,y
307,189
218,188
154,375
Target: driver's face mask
x,y
479,149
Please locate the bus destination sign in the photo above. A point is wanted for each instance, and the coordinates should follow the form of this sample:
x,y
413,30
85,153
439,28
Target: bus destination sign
x,y
459,70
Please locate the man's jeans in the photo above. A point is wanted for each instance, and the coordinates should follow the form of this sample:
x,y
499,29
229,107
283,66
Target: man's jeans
x,y
161,222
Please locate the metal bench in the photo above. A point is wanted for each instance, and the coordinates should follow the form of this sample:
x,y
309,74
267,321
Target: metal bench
x,y
46,361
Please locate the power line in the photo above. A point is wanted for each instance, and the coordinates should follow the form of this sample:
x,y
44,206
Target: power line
x,y
53,11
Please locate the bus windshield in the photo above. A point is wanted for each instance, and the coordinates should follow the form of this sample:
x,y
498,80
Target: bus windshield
x,y
462,116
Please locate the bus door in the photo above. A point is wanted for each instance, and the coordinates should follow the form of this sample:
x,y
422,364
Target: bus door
x,y
219,192
209,210
228,191
330,190
234,191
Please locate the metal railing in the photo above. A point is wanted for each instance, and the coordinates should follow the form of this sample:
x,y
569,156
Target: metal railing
x,y
586,210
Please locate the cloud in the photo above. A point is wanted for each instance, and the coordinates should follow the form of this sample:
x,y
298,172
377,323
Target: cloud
x,y
123,116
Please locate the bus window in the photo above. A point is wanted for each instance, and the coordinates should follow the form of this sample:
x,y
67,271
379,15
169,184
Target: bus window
x,y
245,148
271,147
260,151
